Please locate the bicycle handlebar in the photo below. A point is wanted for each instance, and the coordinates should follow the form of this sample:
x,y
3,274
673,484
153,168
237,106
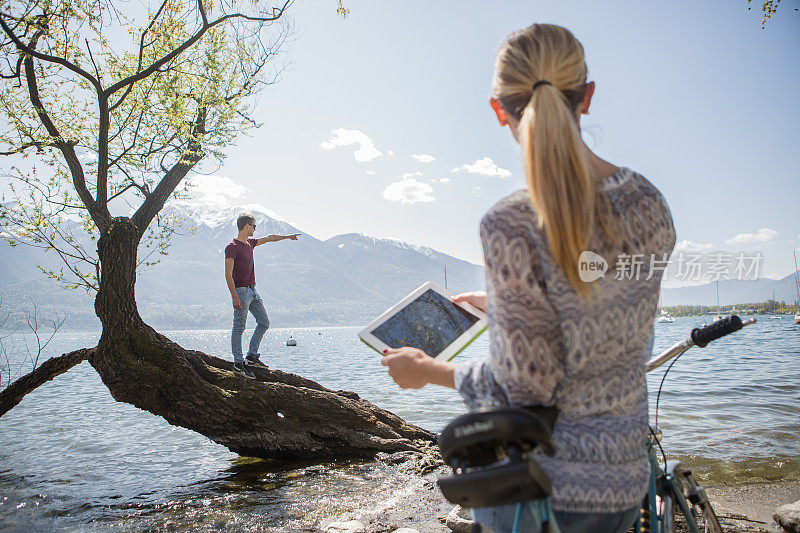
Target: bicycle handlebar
x,y
702,336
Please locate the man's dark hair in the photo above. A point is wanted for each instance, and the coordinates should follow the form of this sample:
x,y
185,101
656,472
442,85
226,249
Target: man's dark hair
x,y
245,219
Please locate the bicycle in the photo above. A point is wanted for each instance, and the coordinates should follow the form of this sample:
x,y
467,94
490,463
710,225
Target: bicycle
x,y
490,452
672,488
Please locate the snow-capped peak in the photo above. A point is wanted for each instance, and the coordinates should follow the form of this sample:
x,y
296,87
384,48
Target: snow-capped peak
x,y
364,239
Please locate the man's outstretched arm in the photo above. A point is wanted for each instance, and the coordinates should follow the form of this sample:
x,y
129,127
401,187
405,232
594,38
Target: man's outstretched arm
x,y
274,238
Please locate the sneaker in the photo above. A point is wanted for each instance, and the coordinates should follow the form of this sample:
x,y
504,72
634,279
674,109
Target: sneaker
x,y
241,369
254,361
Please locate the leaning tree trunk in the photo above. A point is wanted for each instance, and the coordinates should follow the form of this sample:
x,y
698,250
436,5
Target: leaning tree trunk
x,y
278,415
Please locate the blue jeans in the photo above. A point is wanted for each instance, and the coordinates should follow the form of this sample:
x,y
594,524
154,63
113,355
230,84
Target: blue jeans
x,y
252,302
501,520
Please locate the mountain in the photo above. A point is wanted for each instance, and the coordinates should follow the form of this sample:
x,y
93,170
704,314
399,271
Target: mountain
x,y
393,268
346,280
733,292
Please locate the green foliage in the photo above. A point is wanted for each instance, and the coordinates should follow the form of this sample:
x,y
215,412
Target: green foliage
x,y
341,10
768,8
100,107
758,308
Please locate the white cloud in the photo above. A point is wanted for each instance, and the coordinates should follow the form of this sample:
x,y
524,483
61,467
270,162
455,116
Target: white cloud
x,y
218,190
484,167
689,246
423,158
444,180
476,190
342,137
764,235
88,158
408,190
214,200
389,153
371,172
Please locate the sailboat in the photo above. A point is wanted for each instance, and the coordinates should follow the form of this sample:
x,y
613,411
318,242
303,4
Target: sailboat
x,y
719,313
664,317
796,286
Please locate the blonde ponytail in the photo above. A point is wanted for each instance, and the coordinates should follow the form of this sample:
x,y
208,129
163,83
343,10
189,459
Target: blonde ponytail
x,y
540,78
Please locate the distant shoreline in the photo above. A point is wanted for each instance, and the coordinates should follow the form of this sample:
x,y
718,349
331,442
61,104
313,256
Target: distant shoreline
x,y
746,309
710,313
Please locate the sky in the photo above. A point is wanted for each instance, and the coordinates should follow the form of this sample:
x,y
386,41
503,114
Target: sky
x,y
380,122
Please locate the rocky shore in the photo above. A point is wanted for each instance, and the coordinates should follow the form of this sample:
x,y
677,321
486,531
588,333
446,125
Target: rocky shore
x,y
754,504
419,506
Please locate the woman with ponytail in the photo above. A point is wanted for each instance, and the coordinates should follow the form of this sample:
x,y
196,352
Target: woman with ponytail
x,y
561,333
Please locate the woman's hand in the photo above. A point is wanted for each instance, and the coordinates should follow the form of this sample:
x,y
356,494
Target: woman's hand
x,y
476,298
412,368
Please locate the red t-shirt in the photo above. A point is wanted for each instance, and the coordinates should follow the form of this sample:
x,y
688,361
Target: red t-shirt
x,y
244,270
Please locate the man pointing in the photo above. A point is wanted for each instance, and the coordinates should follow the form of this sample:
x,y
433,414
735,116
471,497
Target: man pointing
x,y
240,274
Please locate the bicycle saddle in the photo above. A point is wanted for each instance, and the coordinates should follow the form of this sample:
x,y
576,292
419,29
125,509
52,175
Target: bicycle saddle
x,y
490,454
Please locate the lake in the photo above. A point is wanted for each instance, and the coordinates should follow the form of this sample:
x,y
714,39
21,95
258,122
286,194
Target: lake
x,y
73,458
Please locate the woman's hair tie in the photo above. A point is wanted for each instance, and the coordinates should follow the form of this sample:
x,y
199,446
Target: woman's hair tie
x,y
540,82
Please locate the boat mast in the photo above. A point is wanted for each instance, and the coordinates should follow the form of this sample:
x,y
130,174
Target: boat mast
x,y
796,280
445,276
773,299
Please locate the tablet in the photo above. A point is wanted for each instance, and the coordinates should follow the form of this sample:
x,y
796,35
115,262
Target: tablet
x,y
428,320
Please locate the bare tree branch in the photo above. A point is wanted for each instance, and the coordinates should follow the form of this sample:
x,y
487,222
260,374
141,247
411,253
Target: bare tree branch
x,y
153,204
101,218
32,319
55,366
91,57
141,188
34,144
277,13
31,51
15,71
141,54
102,155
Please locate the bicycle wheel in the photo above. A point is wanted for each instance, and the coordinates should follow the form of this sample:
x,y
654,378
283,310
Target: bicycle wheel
x,y
696,495
667,511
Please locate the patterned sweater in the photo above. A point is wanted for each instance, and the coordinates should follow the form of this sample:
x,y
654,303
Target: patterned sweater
x,y
548,346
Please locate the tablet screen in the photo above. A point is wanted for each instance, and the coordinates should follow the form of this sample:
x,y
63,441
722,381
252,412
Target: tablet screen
x,y
430,322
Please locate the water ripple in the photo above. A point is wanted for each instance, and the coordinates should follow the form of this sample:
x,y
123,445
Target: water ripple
x,y
73,458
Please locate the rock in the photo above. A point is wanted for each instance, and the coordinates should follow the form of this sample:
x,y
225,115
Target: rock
x,y
460,520
351,526
422,464
405,530
788,516
398,457
414,462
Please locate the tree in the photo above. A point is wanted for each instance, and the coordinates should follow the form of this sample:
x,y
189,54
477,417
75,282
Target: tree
x,y
92,130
